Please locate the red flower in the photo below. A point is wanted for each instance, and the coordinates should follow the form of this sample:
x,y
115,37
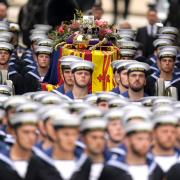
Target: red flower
x,y
60,29
75,25
104,32
101,23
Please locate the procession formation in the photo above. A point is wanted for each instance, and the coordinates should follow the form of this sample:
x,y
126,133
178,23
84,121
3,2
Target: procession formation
x,y
90,101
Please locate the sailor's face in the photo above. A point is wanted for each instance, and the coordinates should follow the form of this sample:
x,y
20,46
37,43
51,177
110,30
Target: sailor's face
x,y
68,78
126,57
4,57
103,105
124,78
139,143
26,136
137,81
95,141
165,136
115,130
66,138
167,65
82,78
49,129
178,134
43,60
116,78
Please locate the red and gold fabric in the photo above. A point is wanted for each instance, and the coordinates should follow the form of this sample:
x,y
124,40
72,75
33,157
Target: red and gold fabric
x,y
102,78
48,87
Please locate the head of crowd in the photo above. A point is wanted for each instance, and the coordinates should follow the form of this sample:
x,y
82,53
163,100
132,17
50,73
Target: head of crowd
x,y
129,133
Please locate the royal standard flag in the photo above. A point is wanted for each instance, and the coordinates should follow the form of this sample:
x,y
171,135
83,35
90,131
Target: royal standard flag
x,y
102,78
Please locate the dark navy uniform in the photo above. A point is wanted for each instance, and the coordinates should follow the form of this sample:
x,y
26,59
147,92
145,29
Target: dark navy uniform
x,y
70,95
117,168
46,169
60,89
125,94
39,145
116,90
8,170
174,172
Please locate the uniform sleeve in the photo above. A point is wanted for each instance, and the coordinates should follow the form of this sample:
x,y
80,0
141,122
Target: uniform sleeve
x,y
150,86
174,172
113,173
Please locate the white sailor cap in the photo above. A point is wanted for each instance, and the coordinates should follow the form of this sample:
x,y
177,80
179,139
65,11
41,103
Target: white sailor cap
x,y
37,31
23,119
28,107
128,45
49,111
65,120
177,114
4,39
82,65
39,94
165,119
43,27
43,50
3,98
175,49
14,101
171,37
7,35
64,105
37,37
67,60
89,113
167,53
105,96
51,99
77,107
131,106
176,105
14,27
162,42
114,114
121,65
126,33
43,109
141,126
137,114
161,100
93,124
90,98
29,95
138,66
117,102
148,101
114,64
6,90
45,42
63,97
125,37
6,46
162,110
127,53
169,30
2,115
